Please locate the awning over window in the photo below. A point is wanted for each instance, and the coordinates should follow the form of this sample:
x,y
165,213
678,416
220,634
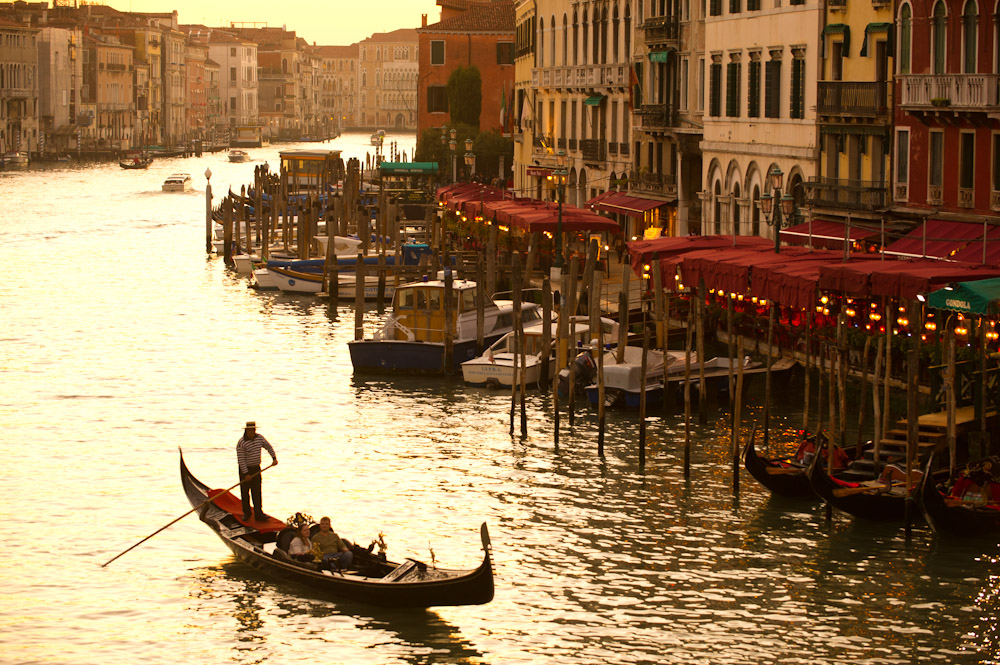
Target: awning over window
x,y
619,202
840,29
659,56
876,27
979,297
594,100
936,238
825,234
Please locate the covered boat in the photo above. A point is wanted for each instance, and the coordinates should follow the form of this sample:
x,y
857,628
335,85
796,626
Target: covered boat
x,y
263,544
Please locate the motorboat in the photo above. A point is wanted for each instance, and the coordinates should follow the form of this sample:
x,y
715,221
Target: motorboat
x,y
495,366
237,155
416,335
14,160
378,137
177,182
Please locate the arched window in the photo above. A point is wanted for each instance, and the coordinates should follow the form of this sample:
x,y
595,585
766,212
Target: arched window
x,y
755,212
576,37
970,43
552,51
614,34
905,38
628,32
586,30
717,208
939,26
604,36
735,209
597,37
540,55
565,41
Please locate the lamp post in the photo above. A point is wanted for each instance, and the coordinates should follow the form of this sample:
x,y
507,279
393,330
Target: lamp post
x,y
453,144
208,210
444,140
775,215
558,178
470,159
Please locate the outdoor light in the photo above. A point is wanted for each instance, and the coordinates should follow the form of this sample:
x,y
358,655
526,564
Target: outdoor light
x,y
824,300
930,325
921,298
453,133
208,174
765,204
468,145
850,312
787,205
776,177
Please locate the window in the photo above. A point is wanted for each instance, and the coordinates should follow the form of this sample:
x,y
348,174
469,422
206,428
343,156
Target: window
x,y
733,89
715,90
837,61
576,36
935,174
505,53
565,41
905,35
753,87
996,162
232,52
902,156
628,31
437,99
970,25
715,7
798,94
734,6
939,26
967,169
437,52
232,73
700,99
772,89
232,103
684,84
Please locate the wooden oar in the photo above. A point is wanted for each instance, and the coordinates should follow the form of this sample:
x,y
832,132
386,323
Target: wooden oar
x,y
848,491
200,505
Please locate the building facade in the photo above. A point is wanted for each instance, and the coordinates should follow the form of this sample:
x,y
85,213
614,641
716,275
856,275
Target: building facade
x,y
338,83
60,77
388,71
18,88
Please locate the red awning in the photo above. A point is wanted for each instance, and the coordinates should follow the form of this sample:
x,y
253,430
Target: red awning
x,y
936,238
825,234
898,279
618,202
641,251
973,252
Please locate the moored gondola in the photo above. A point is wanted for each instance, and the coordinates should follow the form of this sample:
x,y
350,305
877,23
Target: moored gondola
x,y
871,501
784,477
412,584
956,515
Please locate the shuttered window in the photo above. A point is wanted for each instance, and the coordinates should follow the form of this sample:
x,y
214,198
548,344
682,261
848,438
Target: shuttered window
x,y
733,89
715,90
798,96
753,89
772,89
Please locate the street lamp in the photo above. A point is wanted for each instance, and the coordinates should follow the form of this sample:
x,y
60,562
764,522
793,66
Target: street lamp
x,y
558,178
470,159
453,144
776,215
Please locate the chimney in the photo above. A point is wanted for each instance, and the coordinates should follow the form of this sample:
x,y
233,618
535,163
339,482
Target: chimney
x,y
423,20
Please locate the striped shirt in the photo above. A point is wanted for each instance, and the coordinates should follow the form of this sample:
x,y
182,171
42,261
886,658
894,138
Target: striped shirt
x,y
248,451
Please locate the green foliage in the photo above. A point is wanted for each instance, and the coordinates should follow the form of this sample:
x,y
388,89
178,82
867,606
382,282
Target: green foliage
x,y
487,146
465,96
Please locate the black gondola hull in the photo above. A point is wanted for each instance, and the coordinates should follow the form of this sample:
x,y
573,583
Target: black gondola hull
x,y
965,520
883,507
451,587
790,482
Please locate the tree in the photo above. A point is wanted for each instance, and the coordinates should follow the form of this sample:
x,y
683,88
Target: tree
x,y
465,96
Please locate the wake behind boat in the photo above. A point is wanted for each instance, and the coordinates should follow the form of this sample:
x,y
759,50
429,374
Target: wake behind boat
x,y
372,579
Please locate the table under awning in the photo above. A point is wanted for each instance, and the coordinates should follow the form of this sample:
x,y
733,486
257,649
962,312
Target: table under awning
x,y
825,234
936,238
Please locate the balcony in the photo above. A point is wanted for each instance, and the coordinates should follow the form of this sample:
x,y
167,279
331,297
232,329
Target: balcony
x,y
115,67
657,117
862,98
861,195
580,76
660,184
939,92
593,150
662,31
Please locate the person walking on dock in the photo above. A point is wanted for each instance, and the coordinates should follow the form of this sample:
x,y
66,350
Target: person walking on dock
x,y
248,457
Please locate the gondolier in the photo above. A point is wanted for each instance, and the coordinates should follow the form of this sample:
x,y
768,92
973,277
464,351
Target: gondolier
x,y
248,458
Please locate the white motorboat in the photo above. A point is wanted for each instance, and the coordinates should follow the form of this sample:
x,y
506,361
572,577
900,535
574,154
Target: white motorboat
x,y
495,367
177,182
14,160
237,155
378,137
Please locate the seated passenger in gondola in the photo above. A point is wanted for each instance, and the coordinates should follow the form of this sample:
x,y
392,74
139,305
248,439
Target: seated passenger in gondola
x,y
301,547
335,550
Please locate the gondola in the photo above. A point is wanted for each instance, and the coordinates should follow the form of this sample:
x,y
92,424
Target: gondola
x,y
951,514
782,477
372,579
873,502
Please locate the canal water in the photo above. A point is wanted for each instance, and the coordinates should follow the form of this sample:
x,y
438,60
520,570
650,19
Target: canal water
x,y
122,341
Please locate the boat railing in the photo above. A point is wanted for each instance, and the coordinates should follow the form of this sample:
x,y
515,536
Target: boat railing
x,y
388,330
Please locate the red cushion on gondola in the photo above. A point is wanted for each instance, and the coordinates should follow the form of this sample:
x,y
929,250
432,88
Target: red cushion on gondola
x,y
228,502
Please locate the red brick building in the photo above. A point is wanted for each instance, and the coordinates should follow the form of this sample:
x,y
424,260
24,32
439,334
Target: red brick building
x,y
480,34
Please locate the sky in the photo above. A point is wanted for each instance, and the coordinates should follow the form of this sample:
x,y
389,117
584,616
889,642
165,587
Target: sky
x,y
334,22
